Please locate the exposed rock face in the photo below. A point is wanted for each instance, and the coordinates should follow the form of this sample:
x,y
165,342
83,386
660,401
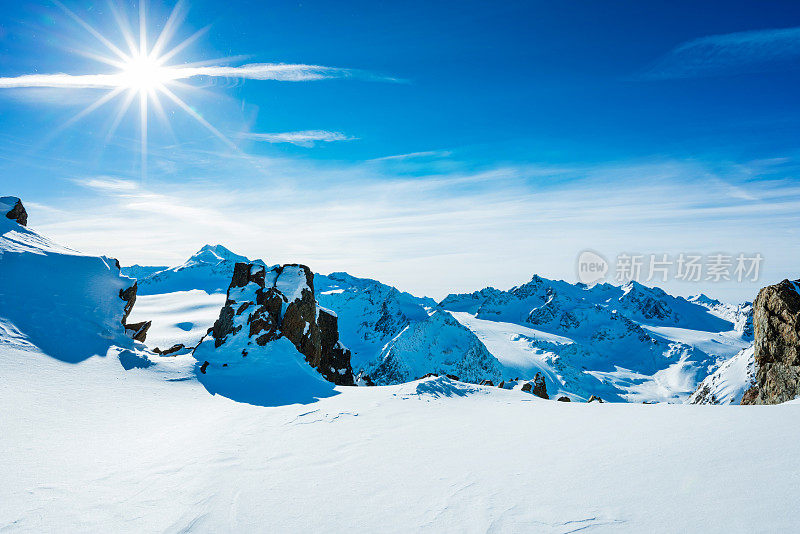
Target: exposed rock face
x,y
271,303
138,331
129,296
595,398
776,321
14,210
564,399
539,386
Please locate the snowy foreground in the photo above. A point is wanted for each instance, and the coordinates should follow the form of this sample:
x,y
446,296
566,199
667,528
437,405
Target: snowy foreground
x,y
90,447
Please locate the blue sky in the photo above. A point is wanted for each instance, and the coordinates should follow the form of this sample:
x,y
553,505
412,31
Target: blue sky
x,y
432,145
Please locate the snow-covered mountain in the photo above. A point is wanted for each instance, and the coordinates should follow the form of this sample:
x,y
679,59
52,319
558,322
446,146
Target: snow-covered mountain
x,y
628,343
209,270
741,315
727,384
437,344
632,342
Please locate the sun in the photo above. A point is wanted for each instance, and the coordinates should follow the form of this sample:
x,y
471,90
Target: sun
x,y
142,69
143,73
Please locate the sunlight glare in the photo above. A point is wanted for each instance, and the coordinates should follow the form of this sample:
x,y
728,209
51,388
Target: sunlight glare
x,y
143,73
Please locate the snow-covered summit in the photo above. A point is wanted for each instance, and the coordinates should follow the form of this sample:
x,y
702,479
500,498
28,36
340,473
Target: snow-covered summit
x,y
209,269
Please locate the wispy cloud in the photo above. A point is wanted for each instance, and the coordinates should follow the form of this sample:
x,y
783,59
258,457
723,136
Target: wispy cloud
x,y
416,155
731,53
457,230
252,71
305,138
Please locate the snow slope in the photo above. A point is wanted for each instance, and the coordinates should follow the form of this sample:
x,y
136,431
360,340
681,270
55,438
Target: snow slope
x,y
94,448
178,317
66,303
727,384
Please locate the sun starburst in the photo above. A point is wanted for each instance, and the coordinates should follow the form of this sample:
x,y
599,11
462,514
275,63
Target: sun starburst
x,y
143,71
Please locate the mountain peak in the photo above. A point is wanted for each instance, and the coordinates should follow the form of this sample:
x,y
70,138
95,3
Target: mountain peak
x,y
213,254
12,208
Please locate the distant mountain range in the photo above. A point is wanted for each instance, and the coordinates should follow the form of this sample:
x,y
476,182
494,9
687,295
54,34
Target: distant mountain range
x,y
623,343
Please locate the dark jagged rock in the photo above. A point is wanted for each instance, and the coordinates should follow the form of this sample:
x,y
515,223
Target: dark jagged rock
x,y
204,367
776,321
527,387
281,303
15,210
595,398
539,386
427,375
487,383
564,399
129,296
138,331
172,350
452,377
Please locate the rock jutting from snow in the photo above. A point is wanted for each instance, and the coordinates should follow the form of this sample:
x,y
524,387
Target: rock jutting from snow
x,y
276,302
13,209
776,321
539,386
137,331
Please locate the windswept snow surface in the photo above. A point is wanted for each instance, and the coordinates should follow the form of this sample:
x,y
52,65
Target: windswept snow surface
x,y
66,303
94,448
178,317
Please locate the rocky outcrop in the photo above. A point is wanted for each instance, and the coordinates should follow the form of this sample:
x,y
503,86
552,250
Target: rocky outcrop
x,y
137,331
539,386
266,304
14,210
776,322
129,296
